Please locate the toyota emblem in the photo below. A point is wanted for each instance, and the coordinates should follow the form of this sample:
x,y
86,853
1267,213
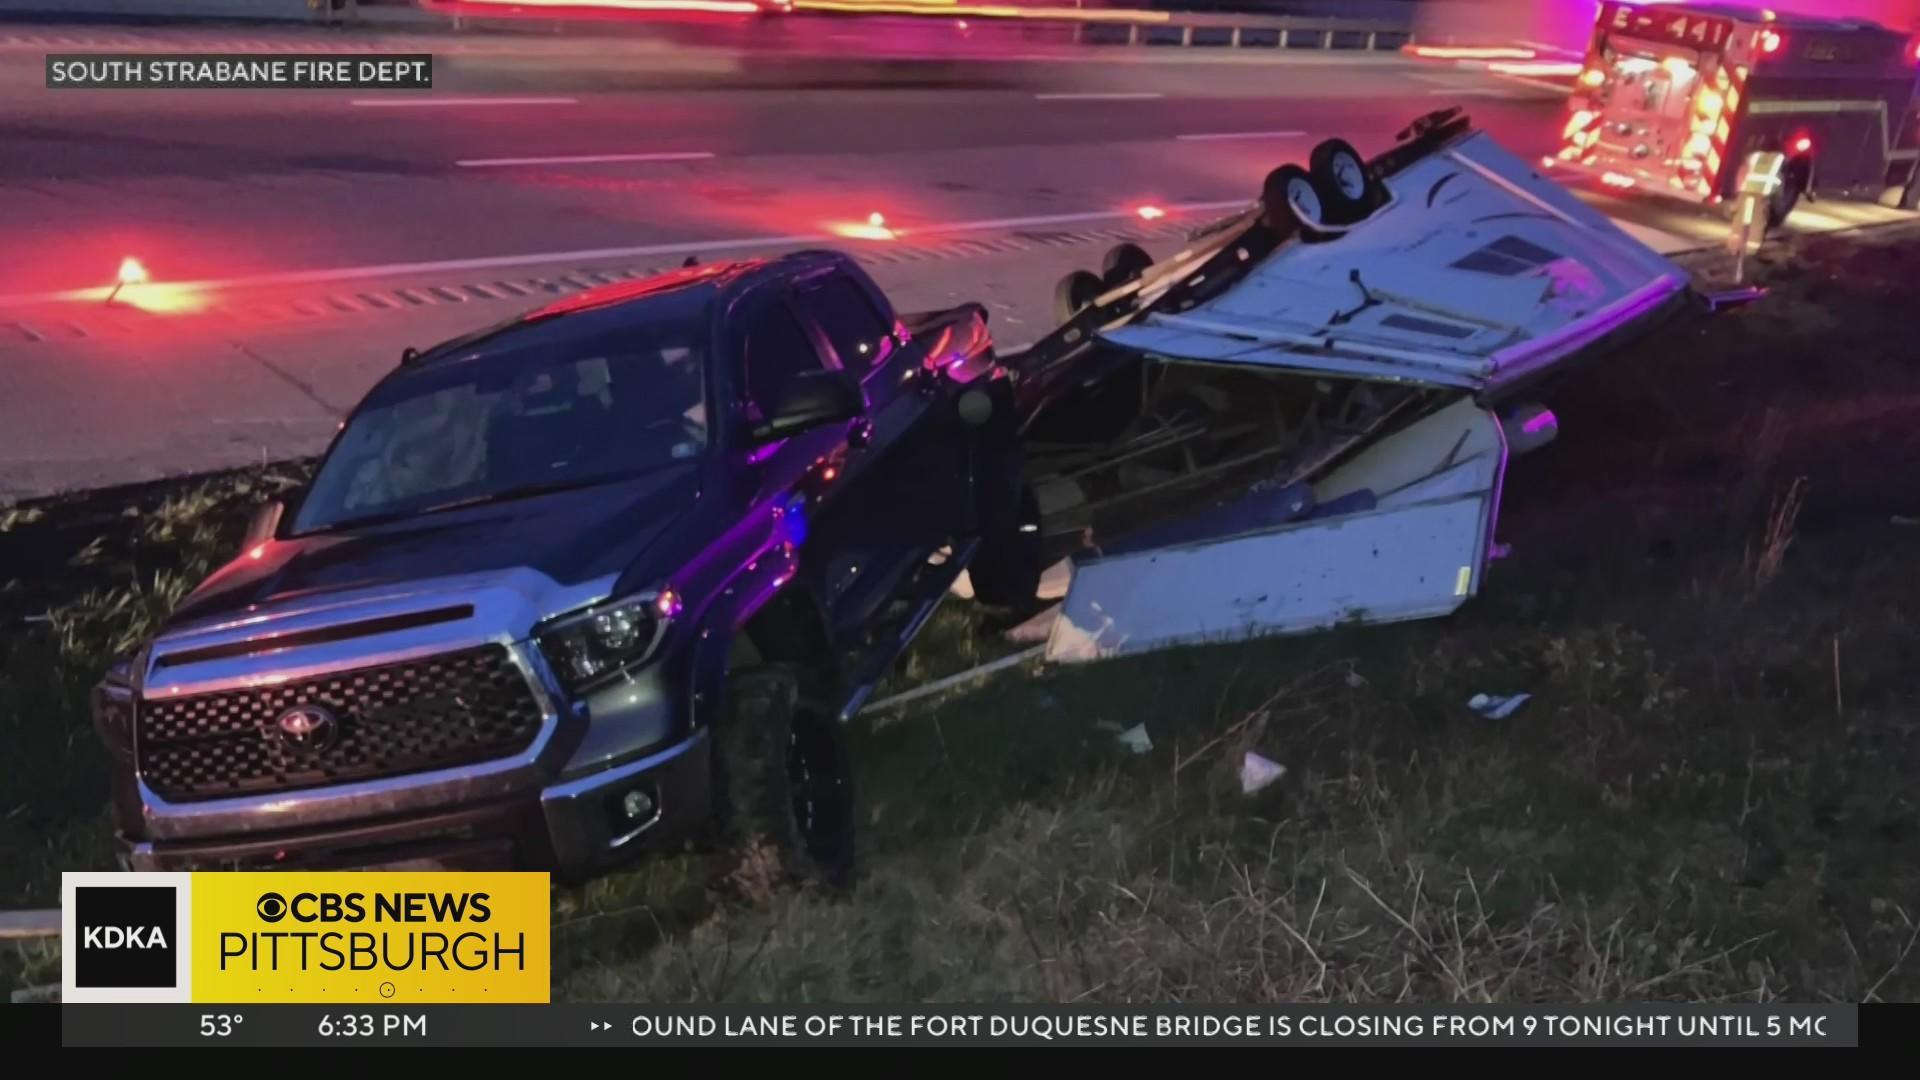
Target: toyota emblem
x,y
305,728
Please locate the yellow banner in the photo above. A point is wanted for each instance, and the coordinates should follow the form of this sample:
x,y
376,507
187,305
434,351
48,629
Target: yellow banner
x,y
370,937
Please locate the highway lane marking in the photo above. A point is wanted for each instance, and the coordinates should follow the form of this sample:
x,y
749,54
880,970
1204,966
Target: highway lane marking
x,y
425,103
1141,95
1229,136
584,159
590,255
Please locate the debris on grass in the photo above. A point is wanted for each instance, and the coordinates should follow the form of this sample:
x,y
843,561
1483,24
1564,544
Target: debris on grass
x,y
1135,739
1497,706
1257,773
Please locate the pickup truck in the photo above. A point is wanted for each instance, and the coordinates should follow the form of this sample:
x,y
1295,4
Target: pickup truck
x,y
602,578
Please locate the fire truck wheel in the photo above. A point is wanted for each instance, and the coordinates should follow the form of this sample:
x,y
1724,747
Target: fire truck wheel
x,y
1123,263
1341,174
1787,194
1074,294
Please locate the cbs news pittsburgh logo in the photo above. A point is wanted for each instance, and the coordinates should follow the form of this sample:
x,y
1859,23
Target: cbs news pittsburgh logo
x,y
400,938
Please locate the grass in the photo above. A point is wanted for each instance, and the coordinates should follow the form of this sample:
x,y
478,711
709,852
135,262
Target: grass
x,y
1708,797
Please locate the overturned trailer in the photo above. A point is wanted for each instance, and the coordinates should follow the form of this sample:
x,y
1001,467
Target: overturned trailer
x,y
1305,418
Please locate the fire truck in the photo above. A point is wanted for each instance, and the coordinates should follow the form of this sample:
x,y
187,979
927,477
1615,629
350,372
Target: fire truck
x,y
1678,99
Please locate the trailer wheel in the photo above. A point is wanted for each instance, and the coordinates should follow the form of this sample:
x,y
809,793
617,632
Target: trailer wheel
x,y
1292,187
1074,294
1343,180
1123,263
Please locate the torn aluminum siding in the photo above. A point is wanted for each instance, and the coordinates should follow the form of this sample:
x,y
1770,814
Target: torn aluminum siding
x,y
1399,532
1477,273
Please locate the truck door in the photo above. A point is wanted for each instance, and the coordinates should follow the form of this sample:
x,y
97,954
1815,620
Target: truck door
x,y
909,467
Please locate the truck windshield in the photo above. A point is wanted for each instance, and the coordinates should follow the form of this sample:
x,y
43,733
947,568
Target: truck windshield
x,y
577,401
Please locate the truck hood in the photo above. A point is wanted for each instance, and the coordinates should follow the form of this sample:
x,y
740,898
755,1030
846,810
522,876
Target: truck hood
x,y
439,581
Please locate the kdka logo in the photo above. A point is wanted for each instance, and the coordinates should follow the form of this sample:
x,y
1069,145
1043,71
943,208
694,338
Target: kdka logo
x,y
125,937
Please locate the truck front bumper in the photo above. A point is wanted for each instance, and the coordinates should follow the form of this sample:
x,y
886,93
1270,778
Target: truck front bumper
x,y
572,828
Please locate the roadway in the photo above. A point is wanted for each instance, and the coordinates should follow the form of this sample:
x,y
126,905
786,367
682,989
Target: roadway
x,y
338,226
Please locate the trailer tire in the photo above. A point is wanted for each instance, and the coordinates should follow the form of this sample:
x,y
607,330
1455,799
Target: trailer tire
x,y
783,782
1344,181
1123,263
1291,191
1074,294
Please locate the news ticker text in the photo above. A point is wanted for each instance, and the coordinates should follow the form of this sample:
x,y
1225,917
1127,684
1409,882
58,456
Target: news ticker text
x,y
962,1025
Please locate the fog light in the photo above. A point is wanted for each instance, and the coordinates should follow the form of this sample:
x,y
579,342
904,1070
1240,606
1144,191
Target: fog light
x,y
636,806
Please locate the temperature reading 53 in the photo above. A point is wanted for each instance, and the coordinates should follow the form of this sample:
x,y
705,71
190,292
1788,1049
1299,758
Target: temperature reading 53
x,y
218,1025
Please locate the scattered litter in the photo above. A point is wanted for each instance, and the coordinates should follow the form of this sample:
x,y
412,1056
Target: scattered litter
x,y
1136,739
1905,519
1495,707
1257,772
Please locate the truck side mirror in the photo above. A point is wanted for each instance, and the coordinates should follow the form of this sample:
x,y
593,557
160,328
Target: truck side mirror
x,y
266,522
809,400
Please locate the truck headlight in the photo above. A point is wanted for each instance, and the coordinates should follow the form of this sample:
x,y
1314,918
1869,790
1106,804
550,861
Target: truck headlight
x,y
589,647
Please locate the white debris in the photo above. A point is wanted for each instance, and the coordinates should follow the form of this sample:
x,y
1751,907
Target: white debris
x,y
1257,772
1136,739
1496,707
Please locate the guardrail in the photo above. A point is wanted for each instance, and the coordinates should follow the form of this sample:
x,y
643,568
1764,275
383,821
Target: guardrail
x,y
1250,32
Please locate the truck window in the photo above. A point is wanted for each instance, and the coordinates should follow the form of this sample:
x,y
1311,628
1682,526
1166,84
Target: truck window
x,y
777,348
856,331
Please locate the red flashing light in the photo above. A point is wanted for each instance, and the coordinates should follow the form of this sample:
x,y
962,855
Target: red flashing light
x,y
258,551
131,272
1151,213
827,474
1802,144
1770,41
1913,53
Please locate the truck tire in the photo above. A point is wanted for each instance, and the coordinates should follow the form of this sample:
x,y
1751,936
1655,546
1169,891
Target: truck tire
x,y
1006,568
782,778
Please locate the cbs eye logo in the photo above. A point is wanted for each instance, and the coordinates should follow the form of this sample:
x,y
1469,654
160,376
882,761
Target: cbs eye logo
x,y
271,907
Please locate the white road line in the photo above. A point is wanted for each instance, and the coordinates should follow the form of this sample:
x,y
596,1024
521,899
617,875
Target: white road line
x,y
583,159
1560,88
1229,136
1117,96
1477,91
427,103
591,255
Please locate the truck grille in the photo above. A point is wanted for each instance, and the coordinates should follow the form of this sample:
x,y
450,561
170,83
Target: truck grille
x,y
452,709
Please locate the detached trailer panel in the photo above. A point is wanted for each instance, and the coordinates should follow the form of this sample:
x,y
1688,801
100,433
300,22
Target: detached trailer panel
x,y
1401,532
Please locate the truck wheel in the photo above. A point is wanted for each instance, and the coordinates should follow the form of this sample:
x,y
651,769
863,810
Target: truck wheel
x,y
1123,263
1006,568
1340,174
1074,294
783,786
